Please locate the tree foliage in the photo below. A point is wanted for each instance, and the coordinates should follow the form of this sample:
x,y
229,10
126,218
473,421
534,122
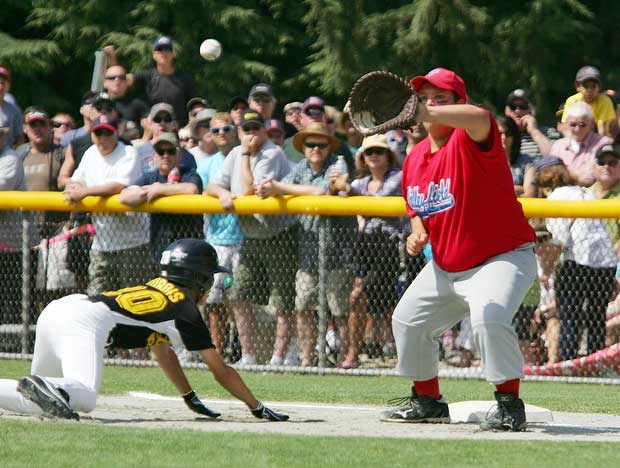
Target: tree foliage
x,y
315,46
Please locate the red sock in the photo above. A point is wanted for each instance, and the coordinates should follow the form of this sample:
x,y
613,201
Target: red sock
x,y
427,387
510,386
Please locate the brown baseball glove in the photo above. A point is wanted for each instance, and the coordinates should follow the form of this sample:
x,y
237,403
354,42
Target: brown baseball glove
x,y
382,101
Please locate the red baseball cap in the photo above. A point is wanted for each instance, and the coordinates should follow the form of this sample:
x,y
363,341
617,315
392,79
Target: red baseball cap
x,y
444,79
103,121
5,72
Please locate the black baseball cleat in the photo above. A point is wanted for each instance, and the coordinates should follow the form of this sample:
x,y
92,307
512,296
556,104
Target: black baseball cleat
x,y
417,409
49,398
508,415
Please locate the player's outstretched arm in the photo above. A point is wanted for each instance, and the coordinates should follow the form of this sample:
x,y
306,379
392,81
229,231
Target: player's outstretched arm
x,y
169,363
228,378
473,119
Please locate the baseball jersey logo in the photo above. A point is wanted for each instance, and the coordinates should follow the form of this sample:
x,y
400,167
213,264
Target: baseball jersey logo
x,y
437,199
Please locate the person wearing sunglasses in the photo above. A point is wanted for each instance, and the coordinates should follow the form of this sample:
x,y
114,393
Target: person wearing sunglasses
x,y
535,140
292,114
268,254
607,185
130,108
262,99
158,182
588,87
186,140
578,149
313,176
164,83
587,259
161,119
313,110
61,124
119,254
201,131
222,230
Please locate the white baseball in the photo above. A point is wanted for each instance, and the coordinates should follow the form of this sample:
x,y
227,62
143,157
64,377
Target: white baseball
x,y
210,49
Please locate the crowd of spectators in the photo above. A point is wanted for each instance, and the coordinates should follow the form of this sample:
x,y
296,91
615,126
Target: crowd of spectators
x,y
149,134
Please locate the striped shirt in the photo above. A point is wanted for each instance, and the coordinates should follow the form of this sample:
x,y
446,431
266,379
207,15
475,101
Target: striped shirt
x,y
529,146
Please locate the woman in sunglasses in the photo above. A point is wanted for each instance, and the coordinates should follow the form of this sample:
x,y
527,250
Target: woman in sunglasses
x,y
378,250
578,149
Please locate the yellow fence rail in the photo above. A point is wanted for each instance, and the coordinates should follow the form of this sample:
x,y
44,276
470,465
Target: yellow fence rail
x,y
316,205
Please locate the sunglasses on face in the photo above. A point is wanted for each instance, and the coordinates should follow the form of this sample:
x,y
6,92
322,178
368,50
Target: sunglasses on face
x,y
116,77
165,118
164,49
186,139
104,107
225,129
166,151
607,162
312,145
57,124
377,151
577,124
37,124
103,132
293,112
251,128
519,106
314,112
262,99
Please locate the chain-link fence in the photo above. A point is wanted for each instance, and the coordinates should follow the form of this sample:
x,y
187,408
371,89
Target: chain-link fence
x,y
311,292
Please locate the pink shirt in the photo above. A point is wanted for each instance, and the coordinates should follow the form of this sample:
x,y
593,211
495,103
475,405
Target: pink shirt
x,y
579,157
465,196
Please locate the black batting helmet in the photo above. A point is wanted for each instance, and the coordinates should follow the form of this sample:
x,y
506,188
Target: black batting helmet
x,y
191,263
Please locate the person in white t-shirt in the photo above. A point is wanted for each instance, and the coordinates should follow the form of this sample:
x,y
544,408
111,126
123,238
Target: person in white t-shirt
x,y
584,277
119,254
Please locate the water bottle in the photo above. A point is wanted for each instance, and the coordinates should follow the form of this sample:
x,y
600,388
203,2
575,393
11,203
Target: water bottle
x,y
228,282
174,176
341,165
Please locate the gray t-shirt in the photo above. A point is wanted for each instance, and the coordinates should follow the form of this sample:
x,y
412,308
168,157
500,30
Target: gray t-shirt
x,y
270,161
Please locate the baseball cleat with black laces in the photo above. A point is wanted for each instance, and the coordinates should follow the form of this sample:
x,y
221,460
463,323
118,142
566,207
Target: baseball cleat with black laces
x,y
47,397
417,409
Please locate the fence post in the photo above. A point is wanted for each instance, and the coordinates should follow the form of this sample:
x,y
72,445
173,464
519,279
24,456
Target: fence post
x,y
322,312
26,284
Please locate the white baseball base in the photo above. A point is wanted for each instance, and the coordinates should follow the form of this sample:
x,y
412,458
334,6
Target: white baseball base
x,y
476,411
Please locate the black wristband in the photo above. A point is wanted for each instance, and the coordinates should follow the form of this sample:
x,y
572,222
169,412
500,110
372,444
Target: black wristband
x,y
245,153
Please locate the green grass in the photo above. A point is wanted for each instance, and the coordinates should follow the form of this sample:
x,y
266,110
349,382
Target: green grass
x,y
59,444
76,445
581,398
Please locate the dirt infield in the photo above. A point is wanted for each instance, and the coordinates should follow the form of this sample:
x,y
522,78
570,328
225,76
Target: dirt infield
x,y
154,411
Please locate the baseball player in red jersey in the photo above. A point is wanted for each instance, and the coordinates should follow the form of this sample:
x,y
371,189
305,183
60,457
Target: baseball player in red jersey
x,y
71,334
459,195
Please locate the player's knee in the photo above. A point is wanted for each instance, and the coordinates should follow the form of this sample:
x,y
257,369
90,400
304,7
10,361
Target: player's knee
x,y
85,402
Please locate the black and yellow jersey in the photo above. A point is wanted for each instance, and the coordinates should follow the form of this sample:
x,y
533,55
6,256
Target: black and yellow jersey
x,y
161,306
